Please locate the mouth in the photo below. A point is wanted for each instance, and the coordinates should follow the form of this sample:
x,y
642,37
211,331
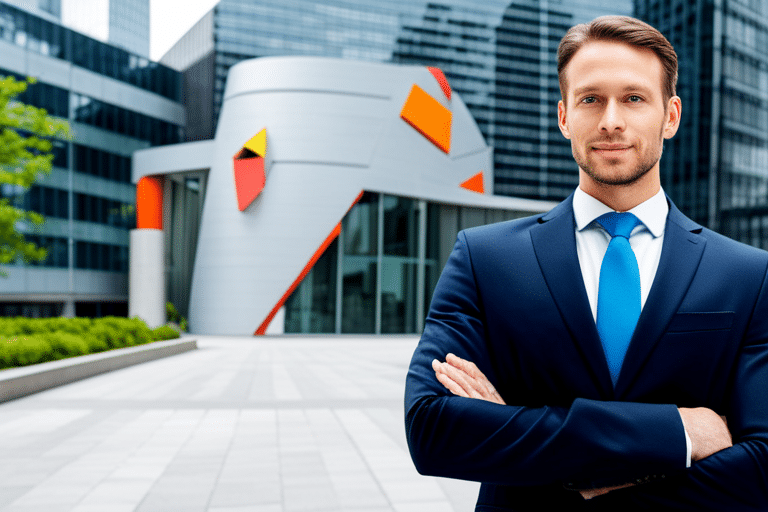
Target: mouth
x,y
611,149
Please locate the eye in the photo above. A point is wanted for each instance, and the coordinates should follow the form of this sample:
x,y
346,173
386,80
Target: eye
x,y
589,99
634,98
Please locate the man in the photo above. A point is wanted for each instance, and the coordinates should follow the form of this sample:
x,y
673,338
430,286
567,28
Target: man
x,y
593,358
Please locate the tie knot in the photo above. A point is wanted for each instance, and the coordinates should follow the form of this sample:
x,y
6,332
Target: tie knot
x,y
618,224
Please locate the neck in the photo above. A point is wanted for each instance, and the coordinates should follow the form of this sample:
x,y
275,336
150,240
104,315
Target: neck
x,y
621,198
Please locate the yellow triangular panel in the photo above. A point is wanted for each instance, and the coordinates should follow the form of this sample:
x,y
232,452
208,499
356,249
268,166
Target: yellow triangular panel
x,y
258,143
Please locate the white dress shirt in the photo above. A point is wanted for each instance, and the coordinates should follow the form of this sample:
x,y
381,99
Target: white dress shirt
x,y
646,241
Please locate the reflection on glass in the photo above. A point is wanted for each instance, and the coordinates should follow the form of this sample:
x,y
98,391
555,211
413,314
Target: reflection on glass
x,y
398,295
312,306
401,225
359,261
399,265
432,265
380,269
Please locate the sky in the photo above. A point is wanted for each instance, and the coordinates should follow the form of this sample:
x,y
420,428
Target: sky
x,y
170,19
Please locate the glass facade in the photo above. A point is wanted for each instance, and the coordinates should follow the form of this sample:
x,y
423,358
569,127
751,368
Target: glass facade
x,y
499,55
716,167
533,156
88,200
51,39
378,276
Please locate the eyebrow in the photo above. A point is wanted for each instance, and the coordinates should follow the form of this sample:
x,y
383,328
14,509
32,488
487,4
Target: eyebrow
x,y
628,88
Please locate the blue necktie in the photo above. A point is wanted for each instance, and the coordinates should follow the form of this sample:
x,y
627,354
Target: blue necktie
x,y
618,297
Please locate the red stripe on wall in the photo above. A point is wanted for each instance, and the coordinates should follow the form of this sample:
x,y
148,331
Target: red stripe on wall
x,y
316,256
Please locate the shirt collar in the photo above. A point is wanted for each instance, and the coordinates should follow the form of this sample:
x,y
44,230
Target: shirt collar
x,y
652,212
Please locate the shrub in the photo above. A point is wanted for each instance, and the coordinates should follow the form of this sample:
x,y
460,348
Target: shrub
x,y
165,332
64,344
25,341
173,315
25,350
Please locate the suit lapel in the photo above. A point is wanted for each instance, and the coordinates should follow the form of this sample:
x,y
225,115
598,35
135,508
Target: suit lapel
x,y
680,256
554,244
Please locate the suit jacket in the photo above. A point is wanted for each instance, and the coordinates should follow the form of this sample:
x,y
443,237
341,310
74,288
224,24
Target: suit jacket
x,y
512,299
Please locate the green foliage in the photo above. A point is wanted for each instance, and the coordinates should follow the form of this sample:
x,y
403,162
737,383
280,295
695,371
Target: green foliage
x,y
172,315
165,332
25,341
25,155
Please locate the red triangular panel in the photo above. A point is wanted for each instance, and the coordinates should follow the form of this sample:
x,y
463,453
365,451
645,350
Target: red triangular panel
x,y
475,183
249,180
440,77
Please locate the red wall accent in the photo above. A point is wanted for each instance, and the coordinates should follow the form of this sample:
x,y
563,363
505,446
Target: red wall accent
x,y
149,203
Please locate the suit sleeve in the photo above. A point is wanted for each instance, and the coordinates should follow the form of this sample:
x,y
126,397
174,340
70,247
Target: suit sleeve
x,y
593,442
734,479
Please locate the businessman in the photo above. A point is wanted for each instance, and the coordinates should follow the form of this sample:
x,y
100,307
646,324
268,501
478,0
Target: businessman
x,y
611,354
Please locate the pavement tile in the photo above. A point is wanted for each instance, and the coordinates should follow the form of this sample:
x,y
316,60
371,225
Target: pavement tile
x,y
270,424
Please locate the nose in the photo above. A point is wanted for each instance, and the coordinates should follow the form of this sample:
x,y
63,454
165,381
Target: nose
x,y
612,120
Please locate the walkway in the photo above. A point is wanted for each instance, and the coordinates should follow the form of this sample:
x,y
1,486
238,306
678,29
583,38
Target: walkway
x,y
242,424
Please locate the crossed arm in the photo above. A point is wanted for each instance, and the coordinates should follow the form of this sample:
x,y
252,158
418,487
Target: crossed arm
x,y
708,432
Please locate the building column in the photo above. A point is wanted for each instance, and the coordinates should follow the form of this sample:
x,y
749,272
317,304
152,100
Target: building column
x,y
146,287
69,308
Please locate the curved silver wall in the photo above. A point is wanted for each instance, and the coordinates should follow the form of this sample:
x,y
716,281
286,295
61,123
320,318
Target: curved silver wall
x,y
334,129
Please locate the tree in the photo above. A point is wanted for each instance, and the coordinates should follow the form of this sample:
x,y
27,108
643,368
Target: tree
x,y
25,156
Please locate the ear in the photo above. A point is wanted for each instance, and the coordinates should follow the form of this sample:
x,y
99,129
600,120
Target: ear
x,y
672,123
561,120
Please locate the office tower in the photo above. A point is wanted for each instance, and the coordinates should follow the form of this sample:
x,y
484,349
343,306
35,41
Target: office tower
x,y
116,103
123,23
40,7
716,167
500,55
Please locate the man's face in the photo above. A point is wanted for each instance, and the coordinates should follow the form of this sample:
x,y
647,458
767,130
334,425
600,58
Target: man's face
x,y
615,115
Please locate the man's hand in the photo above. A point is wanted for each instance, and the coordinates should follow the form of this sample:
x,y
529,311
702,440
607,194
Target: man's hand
x,y
708,432
463,378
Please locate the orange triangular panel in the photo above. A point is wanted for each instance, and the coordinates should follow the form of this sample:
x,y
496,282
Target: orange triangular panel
x,y
429,117
440,77
249,180
475,183
258,143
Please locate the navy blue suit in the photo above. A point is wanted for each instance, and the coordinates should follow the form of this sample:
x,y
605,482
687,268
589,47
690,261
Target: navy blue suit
x,y
512,299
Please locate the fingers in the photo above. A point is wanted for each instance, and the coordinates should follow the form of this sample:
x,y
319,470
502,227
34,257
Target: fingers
x,y
480,381
463,378
467,366
451,385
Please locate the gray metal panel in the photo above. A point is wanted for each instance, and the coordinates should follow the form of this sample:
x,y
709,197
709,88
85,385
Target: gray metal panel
x,y
104,140
85,231
92,284
14,57
172,158
125,95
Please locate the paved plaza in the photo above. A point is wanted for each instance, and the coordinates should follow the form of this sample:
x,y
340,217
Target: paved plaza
x,y
266,424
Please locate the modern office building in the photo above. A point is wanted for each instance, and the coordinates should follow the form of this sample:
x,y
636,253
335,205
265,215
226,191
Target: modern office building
x,y
116,102
716,167
498,54
123,23
39,7
328,201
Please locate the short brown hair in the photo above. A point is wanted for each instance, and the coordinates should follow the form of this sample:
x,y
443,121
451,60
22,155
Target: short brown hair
x,y
622,29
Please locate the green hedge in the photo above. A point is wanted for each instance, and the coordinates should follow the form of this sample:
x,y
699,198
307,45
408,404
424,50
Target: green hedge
x,y
25,341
